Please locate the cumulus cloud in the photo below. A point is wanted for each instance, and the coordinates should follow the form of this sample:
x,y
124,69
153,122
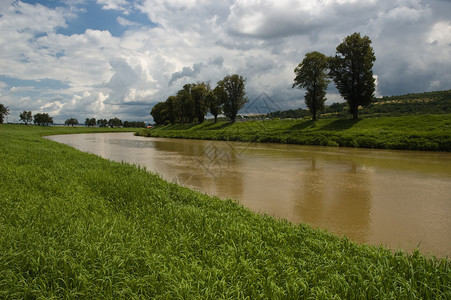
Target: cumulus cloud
x,y
94,73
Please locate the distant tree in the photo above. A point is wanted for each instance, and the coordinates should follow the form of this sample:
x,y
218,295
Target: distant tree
x,y
26,116
215,99
351,70
115,122
90,122
311,74
102,122
71,122
43,119
232,88
4,111
134,124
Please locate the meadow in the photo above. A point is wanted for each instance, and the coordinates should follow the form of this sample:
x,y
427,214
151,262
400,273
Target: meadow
x,y
74,225
422,132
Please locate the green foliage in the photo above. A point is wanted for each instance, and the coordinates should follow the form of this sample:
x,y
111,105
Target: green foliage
x,y
79,226
134,124
425,132
160,113
90,122
199,92
71,122
102,122
115,122
43,119
351,70
215,102
232,91
311,74
192,102
4,111
26,117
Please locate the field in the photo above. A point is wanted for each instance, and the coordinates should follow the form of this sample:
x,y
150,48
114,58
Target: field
x,y
73,225
423,132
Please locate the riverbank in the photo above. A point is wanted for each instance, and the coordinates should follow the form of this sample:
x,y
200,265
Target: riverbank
x,y
75,225
424,132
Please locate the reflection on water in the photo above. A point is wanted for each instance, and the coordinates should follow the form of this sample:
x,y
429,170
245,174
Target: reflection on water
x,y
401,199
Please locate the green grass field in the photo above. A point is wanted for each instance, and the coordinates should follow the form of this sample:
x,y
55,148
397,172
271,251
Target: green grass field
x,y
73,225
423,132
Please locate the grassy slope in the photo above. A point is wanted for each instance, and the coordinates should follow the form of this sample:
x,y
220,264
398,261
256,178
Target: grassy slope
x,y
75,225
425,132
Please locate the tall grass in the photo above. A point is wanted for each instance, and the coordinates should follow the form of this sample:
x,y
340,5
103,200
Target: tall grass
x,y
425,132
73,225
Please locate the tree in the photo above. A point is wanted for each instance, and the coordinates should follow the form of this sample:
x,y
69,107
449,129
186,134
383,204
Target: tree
x,y
26,116
214,101
172,113
232,89
160,113
71,122
186,104
351,70
199,93
134,124
116,122
4,111
102,122
311,74
90,122
43,119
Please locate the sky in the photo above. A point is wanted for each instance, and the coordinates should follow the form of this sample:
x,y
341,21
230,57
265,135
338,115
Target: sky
x,y
118,58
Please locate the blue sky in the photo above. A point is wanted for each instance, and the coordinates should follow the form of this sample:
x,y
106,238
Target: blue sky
x,y
117,58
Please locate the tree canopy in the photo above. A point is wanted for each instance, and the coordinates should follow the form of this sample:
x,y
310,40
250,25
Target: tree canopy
x,y
351,70
43,119
4,111
195,100
26,117
71,122
311,74
90,122
215,102
115,122
232,89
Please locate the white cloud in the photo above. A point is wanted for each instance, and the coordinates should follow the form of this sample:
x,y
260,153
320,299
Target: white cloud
x,y
121,5
125,22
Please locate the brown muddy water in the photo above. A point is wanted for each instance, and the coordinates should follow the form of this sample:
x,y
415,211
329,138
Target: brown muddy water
x,y
400,199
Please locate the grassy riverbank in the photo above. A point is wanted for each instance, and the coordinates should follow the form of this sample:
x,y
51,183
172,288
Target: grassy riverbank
x,y
75,225
424,132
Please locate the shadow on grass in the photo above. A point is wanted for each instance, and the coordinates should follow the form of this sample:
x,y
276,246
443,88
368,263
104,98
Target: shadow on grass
x,y
215,126
340,125
303,125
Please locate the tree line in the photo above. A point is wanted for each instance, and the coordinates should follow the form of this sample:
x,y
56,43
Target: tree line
x,y
114,122
350,69
27,116
195,100
43,119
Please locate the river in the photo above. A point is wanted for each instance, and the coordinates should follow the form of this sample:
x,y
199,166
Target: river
x,y
400,199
